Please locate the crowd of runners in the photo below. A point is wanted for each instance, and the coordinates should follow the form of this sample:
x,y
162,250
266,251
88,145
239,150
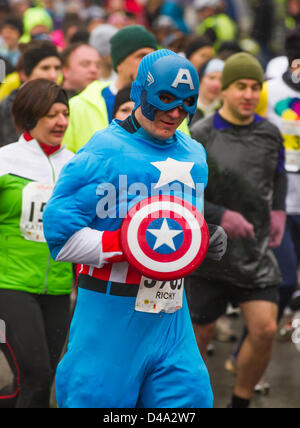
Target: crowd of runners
x,y
102,103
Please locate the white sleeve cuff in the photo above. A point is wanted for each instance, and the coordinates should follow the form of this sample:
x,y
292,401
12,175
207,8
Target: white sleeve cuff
x,y
84,247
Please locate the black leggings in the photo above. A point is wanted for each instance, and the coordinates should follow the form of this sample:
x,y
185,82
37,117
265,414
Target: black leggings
x,y
36,330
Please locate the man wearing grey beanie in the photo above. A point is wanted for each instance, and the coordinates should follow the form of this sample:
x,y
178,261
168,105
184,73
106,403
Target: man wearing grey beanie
x,y
92,110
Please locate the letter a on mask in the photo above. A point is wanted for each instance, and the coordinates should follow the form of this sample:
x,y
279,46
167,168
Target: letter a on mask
x,y
183,72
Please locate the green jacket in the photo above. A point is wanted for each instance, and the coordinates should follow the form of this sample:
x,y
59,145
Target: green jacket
x,y
88,114
27,178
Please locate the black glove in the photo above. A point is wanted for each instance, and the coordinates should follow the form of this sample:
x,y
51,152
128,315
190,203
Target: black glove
x,y
217,242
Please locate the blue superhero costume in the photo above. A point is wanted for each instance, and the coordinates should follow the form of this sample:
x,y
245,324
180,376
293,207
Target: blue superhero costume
x,y
118,356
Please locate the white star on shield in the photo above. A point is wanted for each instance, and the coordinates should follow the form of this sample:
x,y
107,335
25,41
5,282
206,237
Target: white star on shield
x,y
164,235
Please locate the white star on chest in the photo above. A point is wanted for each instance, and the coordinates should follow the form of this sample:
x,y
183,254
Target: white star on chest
x,y
173,170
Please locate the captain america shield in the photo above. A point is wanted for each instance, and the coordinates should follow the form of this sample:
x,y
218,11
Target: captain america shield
x,y
164,237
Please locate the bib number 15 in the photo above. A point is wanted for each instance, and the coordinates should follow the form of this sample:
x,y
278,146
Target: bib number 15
x,y
34,199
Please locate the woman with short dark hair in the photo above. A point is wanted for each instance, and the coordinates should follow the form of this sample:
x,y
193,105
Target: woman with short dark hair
x,y
34,290
29,106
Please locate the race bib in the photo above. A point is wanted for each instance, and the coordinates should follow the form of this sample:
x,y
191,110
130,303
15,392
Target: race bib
x,y
290,130
292,160
34,198
159,296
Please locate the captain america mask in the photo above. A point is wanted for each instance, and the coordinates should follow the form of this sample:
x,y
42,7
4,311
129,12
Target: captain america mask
x,y
165,81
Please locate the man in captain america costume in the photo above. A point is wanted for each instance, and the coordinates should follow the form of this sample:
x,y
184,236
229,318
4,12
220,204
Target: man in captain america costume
x,y
121,354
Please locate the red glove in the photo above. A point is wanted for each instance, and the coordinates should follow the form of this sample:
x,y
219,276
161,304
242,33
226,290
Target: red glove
x,y
277,226
111,247
236,226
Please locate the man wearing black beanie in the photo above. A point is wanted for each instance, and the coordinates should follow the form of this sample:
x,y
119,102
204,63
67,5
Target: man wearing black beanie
x,y
40,60
42,55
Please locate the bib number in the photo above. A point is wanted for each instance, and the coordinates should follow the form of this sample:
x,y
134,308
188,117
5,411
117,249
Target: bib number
x,y
159,296
34,199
